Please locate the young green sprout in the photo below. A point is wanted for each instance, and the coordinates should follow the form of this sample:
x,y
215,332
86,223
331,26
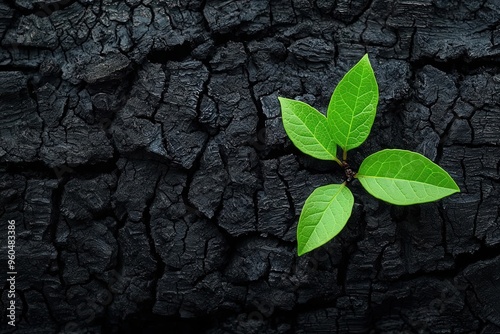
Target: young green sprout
x,y
396,176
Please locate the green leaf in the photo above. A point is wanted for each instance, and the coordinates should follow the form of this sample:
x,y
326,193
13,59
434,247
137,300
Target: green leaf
x,y
353,106
404,177
308,129
323,216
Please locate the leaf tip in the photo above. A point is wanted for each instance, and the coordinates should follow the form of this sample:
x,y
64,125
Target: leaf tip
x,y
284,102
454,186
365,59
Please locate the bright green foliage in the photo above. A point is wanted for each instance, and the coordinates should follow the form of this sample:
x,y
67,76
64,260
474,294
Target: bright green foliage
x,y
308,129
323,216
404,177
353,106
396,176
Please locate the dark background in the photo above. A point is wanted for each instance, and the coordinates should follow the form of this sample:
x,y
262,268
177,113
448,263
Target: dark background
x,y
154,189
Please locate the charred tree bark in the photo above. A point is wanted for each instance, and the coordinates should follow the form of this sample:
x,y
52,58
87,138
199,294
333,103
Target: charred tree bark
x,y
144,162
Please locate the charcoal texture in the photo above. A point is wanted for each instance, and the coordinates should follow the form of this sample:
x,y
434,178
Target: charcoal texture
x,y
153,187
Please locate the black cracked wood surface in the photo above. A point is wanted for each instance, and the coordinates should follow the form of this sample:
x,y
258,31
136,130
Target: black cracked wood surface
x,y
144,161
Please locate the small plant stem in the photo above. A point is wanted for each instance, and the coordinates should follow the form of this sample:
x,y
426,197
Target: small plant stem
x,y
344,155
349,173
339,162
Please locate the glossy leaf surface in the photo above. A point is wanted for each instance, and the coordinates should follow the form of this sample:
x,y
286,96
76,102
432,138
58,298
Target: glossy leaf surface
x,y
404,177
323,216
308,129
353,106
